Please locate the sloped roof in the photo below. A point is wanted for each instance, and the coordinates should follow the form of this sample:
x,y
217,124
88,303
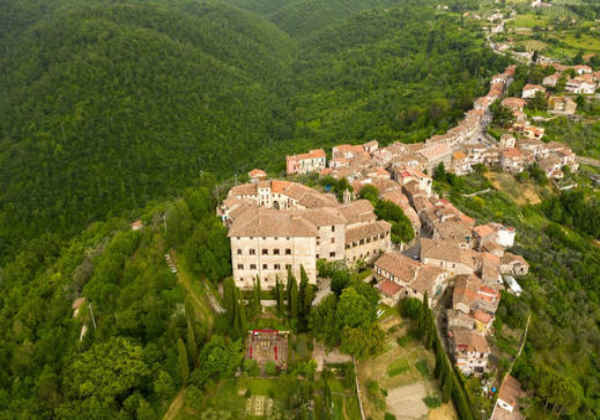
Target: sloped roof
x,y
257,222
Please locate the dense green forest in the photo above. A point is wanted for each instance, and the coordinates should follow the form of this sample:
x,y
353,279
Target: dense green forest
x,y
113,110
108,105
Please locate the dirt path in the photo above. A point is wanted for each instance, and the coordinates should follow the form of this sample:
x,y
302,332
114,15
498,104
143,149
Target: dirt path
x,y
175,406
198,302
588,161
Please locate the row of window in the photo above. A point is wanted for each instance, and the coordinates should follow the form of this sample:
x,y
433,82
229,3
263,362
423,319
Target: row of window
x,y
367,240
264,266
265,251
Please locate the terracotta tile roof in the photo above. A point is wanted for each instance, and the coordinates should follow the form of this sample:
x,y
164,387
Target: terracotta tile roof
x,y
324,216
459,155
435,151
243,189
469,340
367,231
426,278
395,197
256,222
510,391
255,173
389,288
465,290
357,211
447,251
484,230
531,86
482,316
402,267
511,153
453,231
313,154
510,258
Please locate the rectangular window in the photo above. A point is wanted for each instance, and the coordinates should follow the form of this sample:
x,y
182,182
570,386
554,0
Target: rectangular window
x,y
265,266
317,256
240,266
333,228
288,266
265,251
277,267
288,251
252,266
332,240
239,252
276,251
253,251
362,242
332,254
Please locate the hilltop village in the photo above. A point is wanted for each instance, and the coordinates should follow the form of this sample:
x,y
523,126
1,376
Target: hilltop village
x,y
280,225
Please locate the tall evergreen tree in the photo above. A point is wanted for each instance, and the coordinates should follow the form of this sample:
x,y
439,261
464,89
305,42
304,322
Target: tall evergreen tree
x,y
256,305
229,299
239,320
293,300
278,295
302,313
291,280
192,346
184,367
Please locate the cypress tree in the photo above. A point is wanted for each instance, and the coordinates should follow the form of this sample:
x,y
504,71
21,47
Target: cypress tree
x,y
302,315
278,296
229,299
256,305
239,321
446,390
290,281
438,364
294,300
184,367
192,346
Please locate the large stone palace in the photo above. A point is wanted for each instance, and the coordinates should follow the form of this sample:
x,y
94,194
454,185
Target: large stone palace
x,y
278,225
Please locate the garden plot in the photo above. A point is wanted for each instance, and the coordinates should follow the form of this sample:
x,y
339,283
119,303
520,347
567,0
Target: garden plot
x,y
406,402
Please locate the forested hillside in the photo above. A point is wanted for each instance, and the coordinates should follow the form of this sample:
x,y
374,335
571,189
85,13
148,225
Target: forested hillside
x,y
109,105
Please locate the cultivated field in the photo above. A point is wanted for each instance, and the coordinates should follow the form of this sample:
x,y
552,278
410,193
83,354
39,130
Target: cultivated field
x,y
404,371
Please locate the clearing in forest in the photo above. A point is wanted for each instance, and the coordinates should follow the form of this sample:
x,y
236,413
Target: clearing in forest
x,y
521,193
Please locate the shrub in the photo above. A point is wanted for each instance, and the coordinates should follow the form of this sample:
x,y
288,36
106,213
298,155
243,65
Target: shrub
x,y
404,340
423,367
389,416
372,389
397,367
432,401
270,368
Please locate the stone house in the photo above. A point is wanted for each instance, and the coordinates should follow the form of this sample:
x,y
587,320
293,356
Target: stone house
x,y
449,256
313,161
470,351
562,105
580,86
513,264
257,175
552,80
530,90
413,278
512,161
